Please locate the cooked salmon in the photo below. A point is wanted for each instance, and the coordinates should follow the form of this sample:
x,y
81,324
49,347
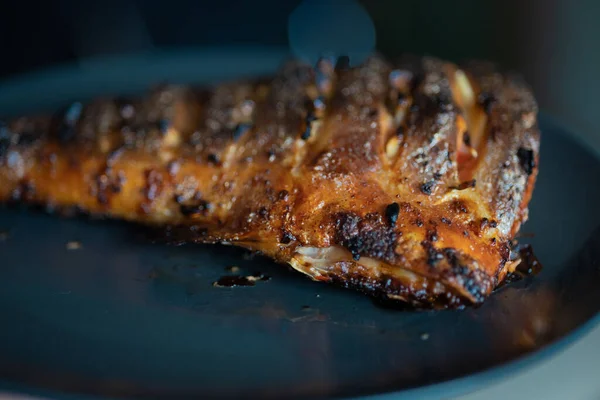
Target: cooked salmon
x,y
405,179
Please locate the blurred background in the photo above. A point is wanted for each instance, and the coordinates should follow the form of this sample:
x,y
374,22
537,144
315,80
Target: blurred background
x,y
554,44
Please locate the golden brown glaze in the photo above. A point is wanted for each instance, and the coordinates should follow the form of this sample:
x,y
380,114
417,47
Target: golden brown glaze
x,y
407,180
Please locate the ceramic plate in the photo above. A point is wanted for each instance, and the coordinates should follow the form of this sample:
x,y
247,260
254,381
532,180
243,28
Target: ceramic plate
x,y
122,316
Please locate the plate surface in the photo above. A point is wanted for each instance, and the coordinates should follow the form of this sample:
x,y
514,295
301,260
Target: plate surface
x,y
125,317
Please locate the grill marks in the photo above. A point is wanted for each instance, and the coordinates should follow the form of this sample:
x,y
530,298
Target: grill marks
x,y
353,139
343,116
511,151
428,159
303,160
335,120
226,117
280,115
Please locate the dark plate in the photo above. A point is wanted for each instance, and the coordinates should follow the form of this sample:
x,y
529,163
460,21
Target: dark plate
x,y
125,317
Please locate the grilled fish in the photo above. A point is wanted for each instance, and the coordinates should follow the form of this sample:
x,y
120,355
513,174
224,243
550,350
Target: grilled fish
x,y
404,179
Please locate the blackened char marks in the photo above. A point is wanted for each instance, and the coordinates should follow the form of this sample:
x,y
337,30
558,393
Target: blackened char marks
x,y
391,213
487,101
370,236
287,237
22,135
106,183
476,282
427,187
285,112
354,132
201,208
283,195
458,268
526,159
387,290
434,256
429,148
463,271
23,192
218,122
360,90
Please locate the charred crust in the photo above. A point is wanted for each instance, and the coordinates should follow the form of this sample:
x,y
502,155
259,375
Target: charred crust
x,y
213,158
286,237
428,187
476,282
369,236
526,160
27,138
432,235
467,139
201,208
25,191
505,253
468,184
106,184
263,212
434,256
459,206
458,268
384,286
417,79
405,207
283,195
391,213
306,134
486,100
310,118
240,130
483,223
400,131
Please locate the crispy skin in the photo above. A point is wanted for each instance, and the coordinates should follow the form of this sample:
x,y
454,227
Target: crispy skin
x,y
358,176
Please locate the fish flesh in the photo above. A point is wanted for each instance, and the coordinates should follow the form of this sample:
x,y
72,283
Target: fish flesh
x,y
404,179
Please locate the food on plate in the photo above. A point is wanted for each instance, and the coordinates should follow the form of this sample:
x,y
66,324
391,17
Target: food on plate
x,y
406,179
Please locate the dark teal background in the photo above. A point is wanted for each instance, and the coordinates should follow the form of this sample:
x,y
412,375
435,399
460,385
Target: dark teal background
x,y
553,43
